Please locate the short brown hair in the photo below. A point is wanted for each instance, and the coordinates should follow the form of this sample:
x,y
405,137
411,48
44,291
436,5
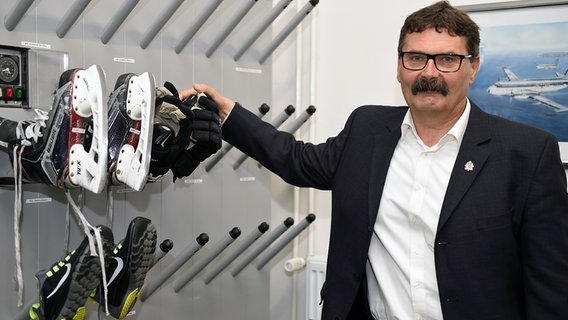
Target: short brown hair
x,y
442,16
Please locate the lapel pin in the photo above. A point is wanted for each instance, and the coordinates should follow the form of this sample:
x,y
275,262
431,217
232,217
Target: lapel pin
x,y
468,166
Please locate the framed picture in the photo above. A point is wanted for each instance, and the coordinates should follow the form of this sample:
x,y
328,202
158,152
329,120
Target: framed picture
x,y
524,64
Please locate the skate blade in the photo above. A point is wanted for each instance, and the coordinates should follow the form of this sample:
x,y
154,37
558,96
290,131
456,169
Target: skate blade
x,y
88,169
133,164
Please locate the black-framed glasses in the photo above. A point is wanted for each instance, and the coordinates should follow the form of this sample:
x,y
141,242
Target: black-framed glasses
x,y
445,62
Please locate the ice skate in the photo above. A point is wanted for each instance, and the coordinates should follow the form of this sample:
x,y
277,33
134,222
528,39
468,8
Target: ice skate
x,y
66,147
130,116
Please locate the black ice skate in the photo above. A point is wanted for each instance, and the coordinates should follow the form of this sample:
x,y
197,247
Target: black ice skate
x,y
66,147
130,116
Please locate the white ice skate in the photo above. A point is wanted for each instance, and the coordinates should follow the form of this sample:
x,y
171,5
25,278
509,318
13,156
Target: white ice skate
x,y
131,116
88,164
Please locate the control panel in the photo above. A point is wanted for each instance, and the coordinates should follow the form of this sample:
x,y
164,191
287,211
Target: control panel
x,y
13,77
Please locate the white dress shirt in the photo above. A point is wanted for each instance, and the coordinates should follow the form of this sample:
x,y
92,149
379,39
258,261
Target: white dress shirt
x,y
401,273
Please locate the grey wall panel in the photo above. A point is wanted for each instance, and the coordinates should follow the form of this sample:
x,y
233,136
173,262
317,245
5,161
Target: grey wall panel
x,y
211,202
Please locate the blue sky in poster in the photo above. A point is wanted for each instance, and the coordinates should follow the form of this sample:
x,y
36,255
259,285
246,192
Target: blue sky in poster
x,y
535,51
540,36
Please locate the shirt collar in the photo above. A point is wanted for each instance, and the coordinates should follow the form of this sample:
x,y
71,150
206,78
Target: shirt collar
x,y
457,131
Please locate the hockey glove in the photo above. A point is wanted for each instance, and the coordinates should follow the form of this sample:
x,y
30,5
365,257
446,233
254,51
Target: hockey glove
x,y
205,135
172,128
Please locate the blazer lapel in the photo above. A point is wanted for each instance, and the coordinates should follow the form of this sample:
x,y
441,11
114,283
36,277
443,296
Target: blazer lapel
x,y
469,162
384,144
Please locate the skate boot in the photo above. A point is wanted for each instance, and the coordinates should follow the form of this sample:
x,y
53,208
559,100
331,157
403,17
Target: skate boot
x,y
132,258
66,285
130,116
66,147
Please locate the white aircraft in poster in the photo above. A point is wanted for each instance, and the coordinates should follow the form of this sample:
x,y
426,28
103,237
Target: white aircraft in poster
x,y
547,66
531,88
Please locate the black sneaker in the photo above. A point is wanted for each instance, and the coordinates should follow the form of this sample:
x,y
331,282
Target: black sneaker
x,y
132,258
66,285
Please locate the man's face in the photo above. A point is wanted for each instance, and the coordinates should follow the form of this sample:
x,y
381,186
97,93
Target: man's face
x,y
455,84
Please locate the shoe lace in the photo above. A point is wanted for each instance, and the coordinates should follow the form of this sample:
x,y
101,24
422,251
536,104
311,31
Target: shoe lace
x,y
93,241
25,130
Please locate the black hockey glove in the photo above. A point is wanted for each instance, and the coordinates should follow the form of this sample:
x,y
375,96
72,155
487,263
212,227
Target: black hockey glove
x,y
172,129
205,135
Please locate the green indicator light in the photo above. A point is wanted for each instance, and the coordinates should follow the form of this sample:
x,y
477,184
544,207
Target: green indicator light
x,y
19,94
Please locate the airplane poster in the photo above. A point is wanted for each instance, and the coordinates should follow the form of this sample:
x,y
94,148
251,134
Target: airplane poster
x,y
524,75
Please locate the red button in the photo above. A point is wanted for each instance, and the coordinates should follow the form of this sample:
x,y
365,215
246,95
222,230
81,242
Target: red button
x,y
9,93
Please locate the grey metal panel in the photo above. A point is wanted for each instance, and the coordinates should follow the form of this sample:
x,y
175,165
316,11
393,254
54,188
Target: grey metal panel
x,y
211,202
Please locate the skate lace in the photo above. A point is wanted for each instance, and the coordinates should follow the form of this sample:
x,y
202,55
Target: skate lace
x,y
17,218
25,131
31,130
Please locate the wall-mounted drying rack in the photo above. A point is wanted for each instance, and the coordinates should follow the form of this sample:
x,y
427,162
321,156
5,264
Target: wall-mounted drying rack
x,y
268,20
230,26
197,24
77,8
246,242
160,23
71,15
263,244
154,284
276,123
118,19
286,238
287,30
262,111
16,14
150,287
292,128
201,264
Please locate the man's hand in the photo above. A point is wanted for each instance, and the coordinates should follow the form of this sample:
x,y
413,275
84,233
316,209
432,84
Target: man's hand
x,y
224,104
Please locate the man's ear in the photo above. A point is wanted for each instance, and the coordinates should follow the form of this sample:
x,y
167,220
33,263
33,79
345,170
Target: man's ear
x,y
475,62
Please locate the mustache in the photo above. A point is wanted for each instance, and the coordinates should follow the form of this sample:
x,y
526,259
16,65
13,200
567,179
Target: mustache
x,y
424,85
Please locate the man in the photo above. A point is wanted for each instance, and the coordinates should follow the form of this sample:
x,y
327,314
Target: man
x,y
439,210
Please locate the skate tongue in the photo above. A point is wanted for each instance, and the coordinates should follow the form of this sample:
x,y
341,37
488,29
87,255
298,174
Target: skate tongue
x,y
32,128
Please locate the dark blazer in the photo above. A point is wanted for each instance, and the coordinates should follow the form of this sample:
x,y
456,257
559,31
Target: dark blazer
x,y
501,247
